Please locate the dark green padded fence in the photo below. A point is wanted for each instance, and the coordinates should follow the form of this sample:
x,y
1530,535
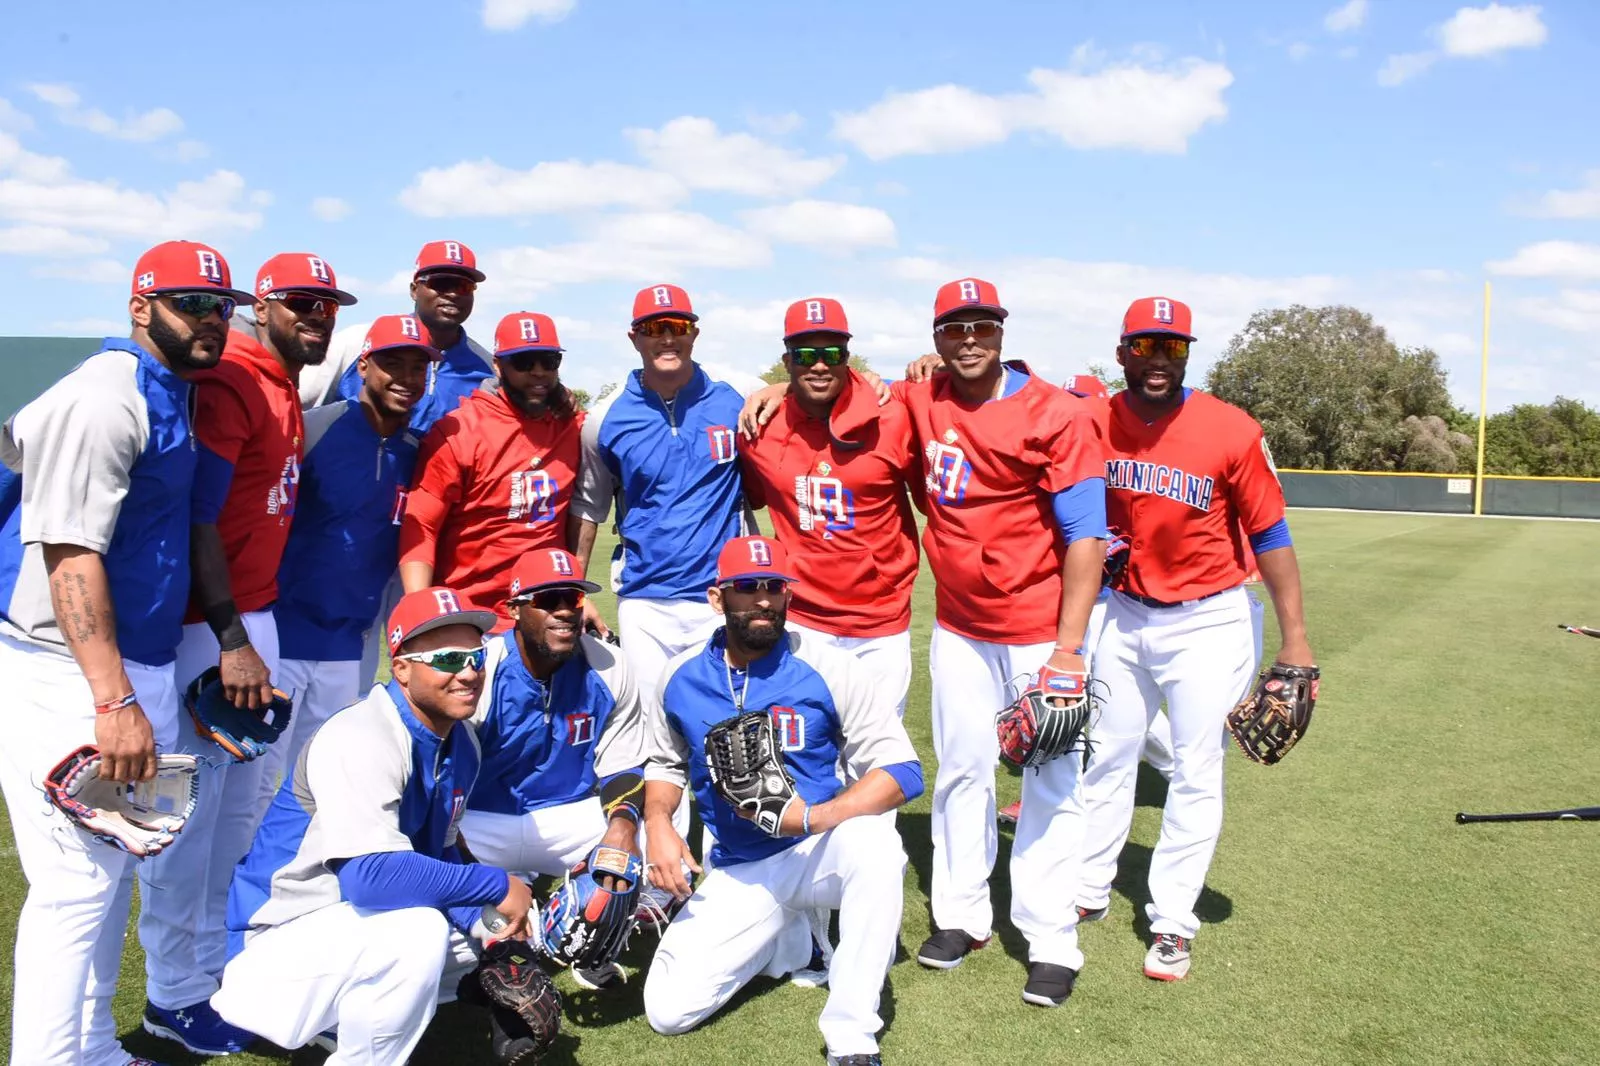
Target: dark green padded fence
x,y
1442,493
1541,496
29,365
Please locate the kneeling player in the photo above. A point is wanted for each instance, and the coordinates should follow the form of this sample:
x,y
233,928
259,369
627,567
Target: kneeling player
x,y
352,909
780,858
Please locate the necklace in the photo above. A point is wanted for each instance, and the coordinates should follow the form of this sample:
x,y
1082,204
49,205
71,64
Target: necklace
x,y
737,697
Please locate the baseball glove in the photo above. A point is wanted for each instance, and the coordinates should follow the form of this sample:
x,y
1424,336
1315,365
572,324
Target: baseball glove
x,y
524,1007
239,731
1277,713
1117,551
1046,721
585,924
141,818
747,769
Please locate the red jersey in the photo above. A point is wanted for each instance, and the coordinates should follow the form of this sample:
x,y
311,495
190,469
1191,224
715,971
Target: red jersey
x,y
836,492
247,411
491,484
1187,490
992,472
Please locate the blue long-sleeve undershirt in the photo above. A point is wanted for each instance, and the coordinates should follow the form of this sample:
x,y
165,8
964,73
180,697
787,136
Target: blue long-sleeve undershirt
x,y
395,880
1081,509
213,476
1274,536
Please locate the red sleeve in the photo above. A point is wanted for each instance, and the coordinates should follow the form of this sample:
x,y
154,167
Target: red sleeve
x,y
1073,454
223,420
751,479
1253,485
435,488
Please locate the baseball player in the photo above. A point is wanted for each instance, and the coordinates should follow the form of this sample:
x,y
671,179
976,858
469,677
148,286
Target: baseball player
x,y
357,903
494,478
751,914
1184,472
561,733
94,561
1015,539
251,436
832,469
345,541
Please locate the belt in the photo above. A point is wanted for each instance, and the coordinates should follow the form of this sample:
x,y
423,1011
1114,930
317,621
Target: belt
x,y
1152,602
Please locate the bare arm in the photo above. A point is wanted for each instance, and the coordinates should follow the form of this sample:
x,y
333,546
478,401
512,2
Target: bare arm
x,y
245,677
1280,572
80,593
668,854
580,534
1080,585
877,791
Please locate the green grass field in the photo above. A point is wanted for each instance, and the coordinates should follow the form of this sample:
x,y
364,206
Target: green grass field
x,y
1349,919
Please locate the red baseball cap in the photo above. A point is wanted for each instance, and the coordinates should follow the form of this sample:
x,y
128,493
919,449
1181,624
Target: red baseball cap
x,y
398,331
428,609
525,331
752,557
1157,314
547,568
966,294
1086,385
816,315
447,257
299,272
185,266
653,301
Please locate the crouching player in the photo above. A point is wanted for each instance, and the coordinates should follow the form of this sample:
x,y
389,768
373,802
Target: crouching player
x,y
775,865
355,903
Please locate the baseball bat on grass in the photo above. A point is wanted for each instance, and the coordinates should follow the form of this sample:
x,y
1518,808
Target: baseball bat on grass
x,y
1582,631
1571,814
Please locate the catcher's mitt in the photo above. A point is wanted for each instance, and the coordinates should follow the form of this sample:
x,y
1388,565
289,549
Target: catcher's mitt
x,y
1048,720
1117,551
1277,713
239,731
524,1007
747,769
586,925
141,818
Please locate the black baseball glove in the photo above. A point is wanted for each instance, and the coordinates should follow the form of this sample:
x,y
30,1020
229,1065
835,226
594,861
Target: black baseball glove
x,y
1277,713
524,1006
747,769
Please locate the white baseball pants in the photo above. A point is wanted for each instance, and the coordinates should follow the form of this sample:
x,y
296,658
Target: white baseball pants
x,y
888,658
183,900
1200,658
547,841
318,689
655,631
71,927
755,918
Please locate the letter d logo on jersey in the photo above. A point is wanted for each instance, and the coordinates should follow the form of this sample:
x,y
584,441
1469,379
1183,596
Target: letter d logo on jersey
x,y
724,444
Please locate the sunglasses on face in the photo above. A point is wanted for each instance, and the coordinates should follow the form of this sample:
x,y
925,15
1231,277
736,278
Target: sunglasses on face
x,y
832,355
983,329
1175,348
749,586
660,327
201,304
306,304
524,362
552,599
449,660
449,284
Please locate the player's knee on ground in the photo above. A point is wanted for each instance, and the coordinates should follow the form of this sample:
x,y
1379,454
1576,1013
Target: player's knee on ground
x,y
668,1006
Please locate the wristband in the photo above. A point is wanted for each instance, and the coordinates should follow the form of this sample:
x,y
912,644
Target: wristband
x,y
117,704
224,620
805,821
1070,651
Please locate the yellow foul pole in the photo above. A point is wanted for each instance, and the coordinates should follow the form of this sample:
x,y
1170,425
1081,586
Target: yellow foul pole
x,y
1483,403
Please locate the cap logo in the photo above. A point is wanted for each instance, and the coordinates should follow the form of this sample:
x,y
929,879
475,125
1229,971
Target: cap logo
x,y
395,635
452,251
561,563
760,554
265,285
210,268
448,604
408,328
366,345
663,296
969,291
147,280
319,269
1161,310
814,311
530,329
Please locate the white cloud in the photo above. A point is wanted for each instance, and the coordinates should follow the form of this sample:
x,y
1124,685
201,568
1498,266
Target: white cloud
x,y
775,125
1346,17
1398,69
150,125
330,208
692,150
1572,309
1572,203
189,151
13,120
1299,50
505,15
91,272
1138,103
89,327
485,188
50,242
1484,31
825,224
1551,259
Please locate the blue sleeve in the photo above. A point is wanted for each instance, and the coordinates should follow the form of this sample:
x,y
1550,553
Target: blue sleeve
x,y
395,880
1081,509
350,384
908,775
213,476
1274,536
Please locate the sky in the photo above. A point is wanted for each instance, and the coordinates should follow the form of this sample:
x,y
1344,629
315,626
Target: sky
x,y
1393,155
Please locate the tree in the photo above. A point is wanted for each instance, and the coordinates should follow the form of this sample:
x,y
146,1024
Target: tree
x,y
1559,439
1333,392
1111,379
605,390
778,374
580,398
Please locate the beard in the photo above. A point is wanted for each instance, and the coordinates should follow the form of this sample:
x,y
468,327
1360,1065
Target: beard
x,y
179,348
295,348
750,638
539,649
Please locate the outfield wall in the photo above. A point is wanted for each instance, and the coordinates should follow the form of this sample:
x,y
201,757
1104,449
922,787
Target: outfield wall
x,y
1442,493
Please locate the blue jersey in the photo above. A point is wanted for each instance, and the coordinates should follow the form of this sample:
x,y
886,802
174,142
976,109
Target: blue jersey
x,y
457,374
823,705
345,541
674,470
549,744
103,460
372,779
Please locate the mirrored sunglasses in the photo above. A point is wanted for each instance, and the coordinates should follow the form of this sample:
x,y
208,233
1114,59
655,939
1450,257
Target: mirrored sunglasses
x,y
449,284
449,660
201,304
660,327
1151,345
525,362
552,599
305,303
983,329
748,586
832,355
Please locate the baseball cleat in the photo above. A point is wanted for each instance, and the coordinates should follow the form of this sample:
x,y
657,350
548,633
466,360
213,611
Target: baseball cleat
x,y
1048,985
327,1040
198,1028
599,978
945,949
143,1062
815,974
1008,815
1092,914
855,1060
1168,958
